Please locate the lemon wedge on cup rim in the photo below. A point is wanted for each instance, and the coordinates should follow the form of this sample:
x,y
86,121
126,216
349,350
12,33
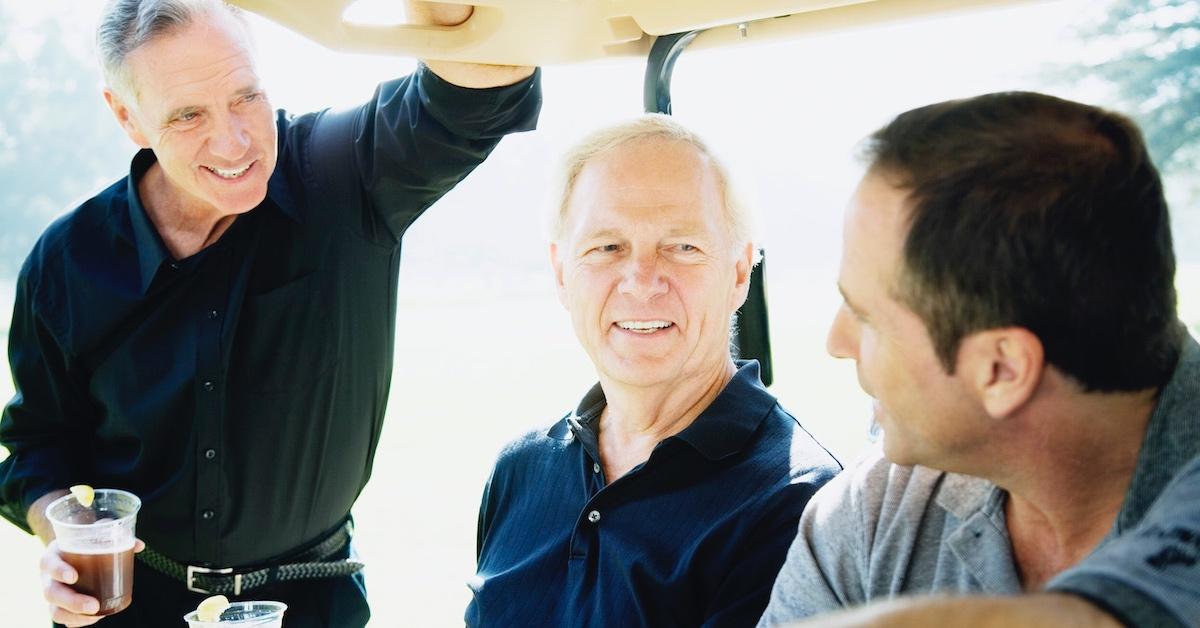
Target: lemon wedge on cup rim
x,y
84,494
211,608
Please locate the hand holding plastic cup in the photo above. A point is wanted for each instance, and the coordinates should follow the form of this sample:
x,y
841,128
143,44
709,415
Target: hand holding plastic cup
x,y
97,539
243,615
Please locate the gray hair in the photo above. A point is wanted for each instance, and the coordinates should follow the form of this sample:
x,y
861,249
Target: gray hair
x,y
126,25
739,218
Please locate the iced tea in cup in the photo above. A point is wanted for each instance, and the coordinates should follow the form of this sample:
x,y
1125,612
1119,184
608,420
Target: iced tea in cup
x,y
243,615
97,540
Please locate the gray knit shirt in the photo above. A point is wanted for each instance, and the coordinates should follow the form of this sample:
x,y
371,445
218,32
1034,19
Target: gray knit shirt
x,y
880,530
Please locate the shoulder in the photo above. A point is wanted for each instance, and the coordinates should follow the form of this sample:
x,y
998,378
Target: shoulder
x,y
875,493
82,232
810,461
533,449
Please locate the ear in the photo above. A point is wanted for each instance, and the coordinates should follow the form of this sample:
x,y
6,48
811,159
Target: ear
x,y
1003,367
556,263
124,115
742,270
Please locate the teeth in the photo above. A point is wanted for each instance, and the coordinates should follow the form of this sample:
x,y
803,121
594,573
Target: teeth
x,y
228,174
644,327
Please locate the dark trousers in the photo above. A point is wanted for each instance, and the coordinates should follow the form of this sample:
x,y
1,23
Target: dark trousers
x,y
161,602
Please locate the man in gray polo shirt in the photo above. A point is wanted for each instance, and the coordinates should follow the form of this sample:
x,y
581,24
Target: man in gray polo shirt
x,y
1008,284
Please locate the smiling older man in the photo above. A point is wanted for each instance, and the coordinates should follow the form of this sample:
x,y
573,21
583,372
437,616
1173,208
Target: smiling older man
x,y
669,496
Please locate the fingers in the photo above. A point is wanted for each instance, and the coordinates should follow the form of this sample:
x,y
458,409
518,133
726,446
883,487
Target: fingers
x,y
138,545
67,606
67,618
53,566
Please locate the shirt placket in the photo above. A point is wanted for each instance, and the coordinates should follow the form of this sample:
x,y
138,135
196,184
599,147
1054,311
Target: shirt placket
x,y
210,395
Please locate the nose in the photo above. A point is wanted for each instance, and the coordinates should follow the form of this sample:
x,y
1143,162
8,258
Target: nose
x,y
230,139
642,278
842,341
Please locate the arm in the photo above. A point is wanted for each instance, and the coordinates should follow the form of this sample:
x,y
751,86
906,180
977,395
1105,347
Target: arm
x,y
41,431
1047,610
380,165
473,75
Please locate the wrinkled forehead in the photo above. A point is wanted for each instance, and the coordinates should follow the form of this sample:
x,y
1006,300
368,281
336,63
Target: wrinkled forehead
x,y
212,51
647,176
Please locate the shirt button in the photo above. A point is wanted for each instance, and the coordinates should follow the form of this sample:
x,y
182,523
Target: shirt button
x,y
209,386
212,314
174,266
595,467
207,514
210,454
594,516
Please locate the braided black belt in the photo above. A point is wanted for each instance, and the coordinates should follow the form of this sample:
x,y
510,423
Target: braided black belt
x,y
309,565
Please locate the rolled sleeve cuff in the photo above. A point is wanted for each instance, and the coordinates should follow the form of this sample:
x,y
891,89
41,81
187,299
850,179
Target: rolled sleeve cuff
x,y
481,113
26,476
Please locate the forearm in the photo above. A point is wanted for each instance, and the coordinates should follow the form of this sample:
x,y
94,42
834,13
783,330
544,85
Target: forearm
x,y
37,516
1046,610
472,75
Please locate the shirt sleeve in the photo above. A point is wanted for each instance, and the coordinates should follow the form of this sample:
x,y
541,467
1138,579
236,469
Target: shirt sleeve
x,y
394,156
44,426
1149,576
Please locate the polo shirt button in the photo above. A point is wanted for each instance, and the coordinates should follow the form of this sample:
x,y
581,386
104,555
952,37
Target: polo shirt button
x,y
209,386
594,516
207,514
212,314
209,454
595,467
174,266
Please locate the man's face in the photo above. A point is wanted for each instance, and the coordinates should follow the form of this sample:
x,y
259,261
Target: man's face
x,y
199,106
646,266
925,413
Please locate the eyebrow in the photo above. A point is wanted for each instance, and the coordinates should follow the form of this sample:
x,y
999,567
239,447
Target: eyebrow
x,y
175,113
245,91
850,303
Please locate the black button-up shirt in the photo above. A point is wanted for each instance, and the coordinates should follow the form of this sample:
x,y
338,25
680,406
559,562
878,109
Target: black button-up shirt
x,y
694,536
239,392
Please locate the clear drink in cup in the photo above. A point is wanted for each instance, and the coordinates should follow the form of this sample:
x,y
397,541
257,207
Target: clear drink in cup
x,y
244,615
97,540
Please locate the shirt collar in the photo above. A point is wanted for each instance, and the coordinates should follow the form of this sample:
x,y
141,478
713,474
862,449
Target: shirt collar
x,y
151,250
721,430
1172,437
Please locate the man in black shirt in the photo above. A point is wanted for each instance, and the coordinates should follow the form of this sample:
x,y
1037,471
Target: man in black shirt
x,y
214,332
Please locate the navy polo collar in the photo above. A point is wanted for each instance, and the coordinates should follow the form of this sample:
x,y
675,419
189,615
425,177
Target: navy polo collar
x,y
721,430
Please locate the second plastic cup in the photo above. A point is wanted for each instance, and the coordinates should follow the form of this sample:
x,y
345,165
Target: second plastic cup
x,y
244,615
98,541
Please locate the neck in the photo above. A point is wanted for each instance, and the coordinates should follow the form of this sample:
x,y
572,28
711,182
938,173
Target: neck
x,y
1068,477
636,419
185,229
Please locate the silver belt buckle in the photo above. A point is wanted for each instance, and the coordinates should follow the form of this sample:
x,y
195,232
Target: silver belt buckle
x,y
192,570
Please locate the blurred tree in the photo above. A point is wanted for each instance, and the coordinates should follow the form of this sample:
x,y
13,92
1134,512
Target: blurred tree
x,y
1157,72
1156,77
58,142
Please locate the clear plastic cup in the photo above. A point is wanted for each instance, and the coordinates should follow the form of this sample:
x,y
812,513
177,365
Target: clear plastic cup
x,y
244,614
98,541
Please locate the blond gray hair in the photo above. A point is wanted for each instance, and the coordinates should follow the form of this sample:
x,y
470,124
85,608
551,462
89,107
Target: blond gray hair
x,y
739,218
126,25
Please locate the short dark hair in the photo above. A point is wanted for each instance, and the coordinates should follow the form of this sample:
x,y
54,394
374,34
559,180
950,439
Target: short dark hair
x,y
1039,212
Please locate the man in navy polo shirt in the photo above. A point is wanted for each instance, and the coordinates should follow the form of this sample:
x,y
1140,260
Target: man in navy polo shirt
x,y
669,496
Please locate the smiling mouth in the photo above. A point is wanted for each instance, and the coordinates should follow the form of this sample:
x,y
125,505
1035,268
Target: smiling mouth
x,y
229,174
644,327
